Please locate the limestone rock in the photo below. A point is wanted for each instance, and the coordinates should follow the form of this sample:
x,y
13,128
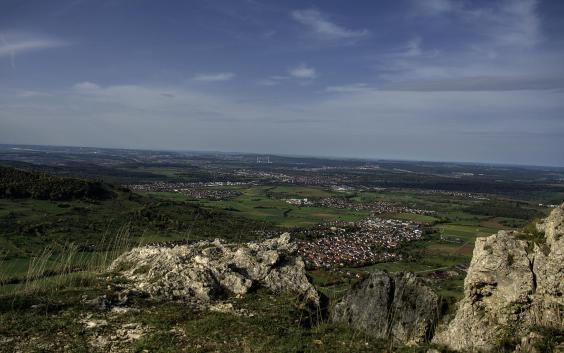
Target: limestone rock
x,y
207,270
511,286
400,307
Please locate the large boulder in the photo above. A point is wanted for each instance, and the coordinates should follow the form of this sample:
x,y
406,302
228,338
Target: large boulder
x,y
398,307
512,285
206,270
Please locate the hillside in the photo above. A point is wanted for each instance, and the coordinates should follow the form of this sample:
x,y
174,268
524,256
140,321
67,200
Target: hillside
x,y
21,184
38,210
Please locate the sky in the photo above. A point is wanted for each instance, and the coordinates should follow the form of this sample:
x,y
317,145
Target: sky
x,y
439,80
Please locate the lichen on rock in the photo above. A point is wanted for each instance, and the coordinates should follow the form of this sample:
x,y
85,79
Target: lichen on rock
x,y
209,270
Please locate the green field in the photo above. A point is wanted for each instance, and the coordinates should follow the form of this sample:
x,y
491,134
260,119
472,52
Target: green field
x,y
266,203
28,226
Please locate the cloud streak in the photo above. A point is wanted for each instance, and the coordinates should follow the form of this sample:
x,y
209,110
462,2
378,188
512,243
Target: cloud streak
x,y
481,83
17,44
323,28
506,23
86,86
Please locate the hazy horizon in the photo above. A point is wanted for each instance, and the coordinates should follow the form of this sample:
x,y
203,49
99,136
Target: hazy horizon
x,y
438,80
328,157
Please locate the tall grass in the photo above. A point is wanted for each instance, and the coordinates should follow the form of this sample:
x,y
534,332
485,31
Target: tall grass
x,y
57,267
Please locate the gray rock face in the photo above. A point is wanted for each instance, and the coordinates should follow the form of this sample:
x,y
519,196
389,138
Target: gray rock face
x,y
207,270
511,285
399,307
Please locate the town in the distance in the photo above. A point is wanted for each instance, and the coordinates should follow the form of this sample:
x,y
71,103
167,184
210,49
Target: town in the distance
x,y
67,212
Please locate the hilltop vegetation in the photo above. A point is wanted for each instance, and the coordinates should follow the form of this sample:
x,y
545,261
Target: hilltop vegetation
x,y
21,184
43,210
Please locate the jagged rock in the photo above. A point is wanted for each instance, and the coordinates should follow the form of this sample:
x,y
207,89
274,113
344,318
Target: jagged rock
x,y
511,286
207,270
400,307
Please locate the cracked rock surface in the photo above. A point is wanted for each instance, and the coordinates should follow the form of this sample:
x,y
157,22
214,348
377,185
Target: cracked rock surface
x,y
511,286
400,307
210,270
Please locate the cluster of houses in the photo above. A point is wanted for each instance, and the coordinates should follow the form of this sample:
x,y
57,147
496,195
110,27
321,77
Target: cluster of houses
x,y
193,190
376,208
456,194
358,243
549,206
266,177
299,202
210,194
162,186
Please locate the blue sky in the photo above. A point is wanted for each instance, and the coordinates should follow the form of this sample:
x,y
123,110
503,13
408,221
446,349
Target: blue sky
x,y
410,79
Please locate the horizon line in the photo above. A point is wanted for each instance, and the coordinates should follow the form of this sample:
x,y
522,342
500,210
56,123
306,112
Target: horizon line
x,y
342,158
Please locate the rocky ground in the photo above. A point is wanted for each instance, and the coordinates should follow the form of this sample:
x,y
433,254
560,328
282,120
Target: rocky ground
x,y
213,296
512,291
210,270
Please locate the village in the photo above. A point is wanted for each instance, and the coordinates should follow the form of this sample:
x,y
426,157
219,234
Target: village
x,y
197,191
267,177
352,244
376,208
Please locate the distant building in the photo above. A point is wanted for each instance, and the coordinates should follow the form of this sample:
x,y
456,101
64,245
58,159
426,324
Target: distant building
x,y
263,159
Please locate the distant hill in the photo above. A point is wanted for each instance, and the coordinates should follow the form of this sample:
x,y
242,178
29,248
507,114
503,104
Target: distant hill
x,y
17,184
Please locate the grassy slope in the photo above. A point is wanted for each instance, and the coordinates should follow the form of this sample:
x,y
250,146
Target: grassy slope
x,y
272,323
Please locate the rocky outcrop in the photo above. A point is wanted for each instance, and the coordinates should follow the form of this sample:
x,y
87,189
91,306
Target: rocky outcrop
x,y
207,270
399,307
511,286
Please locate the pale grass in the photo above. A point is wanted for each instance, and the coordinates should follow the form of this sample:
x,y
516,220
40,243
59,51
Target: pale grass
x,y
59,267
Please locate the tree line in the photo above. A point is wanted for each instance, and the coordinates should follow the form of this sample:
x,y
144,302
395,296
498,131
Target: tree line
x,y
17,184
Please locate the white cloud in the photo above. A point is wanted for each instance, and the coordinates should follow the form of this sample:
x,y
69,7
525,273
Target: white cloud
x,y
215,77
18,47
303,71
481,83
322,27
393,123
86,86
508,23
500,50
514,23
14,44
434,7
